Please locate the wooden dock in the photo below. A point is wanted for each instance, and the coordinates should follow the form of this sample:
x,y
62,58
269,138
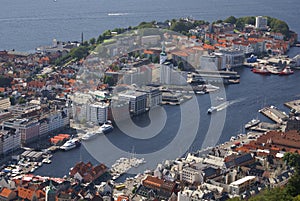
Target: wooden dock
x,y
274,114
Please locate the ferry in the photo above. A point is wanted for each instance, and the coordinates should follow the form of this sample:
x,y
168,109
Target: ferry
x,y
70,144
252,123
213,109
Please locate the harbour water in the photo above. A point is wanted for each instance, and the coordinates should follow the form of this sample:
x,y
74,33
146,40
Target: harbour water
x,y
254,92
26,24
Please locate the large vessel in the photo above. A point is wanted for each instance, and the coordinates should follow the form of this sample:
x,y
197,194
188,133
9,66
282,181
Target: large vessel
x,y
252,123
89,135
70,144
106,128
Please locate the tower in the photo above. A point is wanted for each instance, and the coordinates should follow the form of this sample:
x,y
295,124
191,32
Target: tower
x,y
50,192
163,55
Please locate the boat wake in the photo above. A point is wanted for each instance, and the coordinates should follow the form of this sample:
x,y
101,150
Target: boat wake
x,y
117,14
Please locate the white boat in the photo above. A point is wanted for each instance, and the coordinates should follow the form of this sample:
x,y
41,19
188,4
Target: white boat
x,y
70,144
89,135
252,123
106,128
217,108
220,98
46,160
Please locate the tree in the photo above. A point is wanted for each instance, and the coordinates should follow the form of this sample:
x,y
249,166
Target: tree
x,y
108,80
180,65
92,41
181,26
231,20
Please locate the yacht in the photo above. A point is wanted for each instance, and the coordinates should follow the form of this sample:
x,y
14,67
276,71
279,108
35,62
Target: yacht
x,y
252,123
70,144
89,135
106,128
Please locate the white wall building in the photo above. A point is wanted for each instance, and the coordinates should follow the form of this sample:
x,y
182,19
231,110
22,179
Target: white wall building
x,y
4,103
9,140
98,112
261,22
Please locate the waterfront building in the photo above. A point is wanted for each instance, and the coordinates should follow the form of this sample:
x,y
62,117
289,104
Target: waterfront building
x,y
98,112
154,96
233,58
169,75
4,103
9,140
261,22
212,62
137,101
86,172
29,129
89,108
293,123
80,108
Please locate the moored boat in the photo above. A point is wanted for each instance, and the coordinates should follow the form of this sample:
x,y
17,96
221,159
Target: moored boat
x,y
252,123
89,135
261,70
70,144
286,71
106,128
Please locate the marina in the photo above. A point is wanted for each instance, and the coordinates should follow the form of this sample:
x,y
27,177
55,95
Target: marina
x,y
123,165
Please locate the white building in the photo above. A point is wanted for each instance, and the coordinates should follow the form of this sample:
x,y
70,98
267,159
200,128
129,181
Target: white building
x,y
9,141
191,175
98,112
139,76
137,101
169,75
212,62
239,186
233,58
154,96
261,22
4,103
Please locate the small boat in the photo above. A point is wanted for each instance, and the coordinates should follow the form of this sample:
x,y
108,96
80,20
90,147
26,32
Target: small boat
x,y
89,135
261,70
70,144
211,110
220,98
252,123
286,71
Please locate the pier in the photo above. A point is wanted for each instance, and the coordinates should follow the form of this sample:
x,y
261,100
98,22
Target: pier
x,y
274,114
293,105
264,127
